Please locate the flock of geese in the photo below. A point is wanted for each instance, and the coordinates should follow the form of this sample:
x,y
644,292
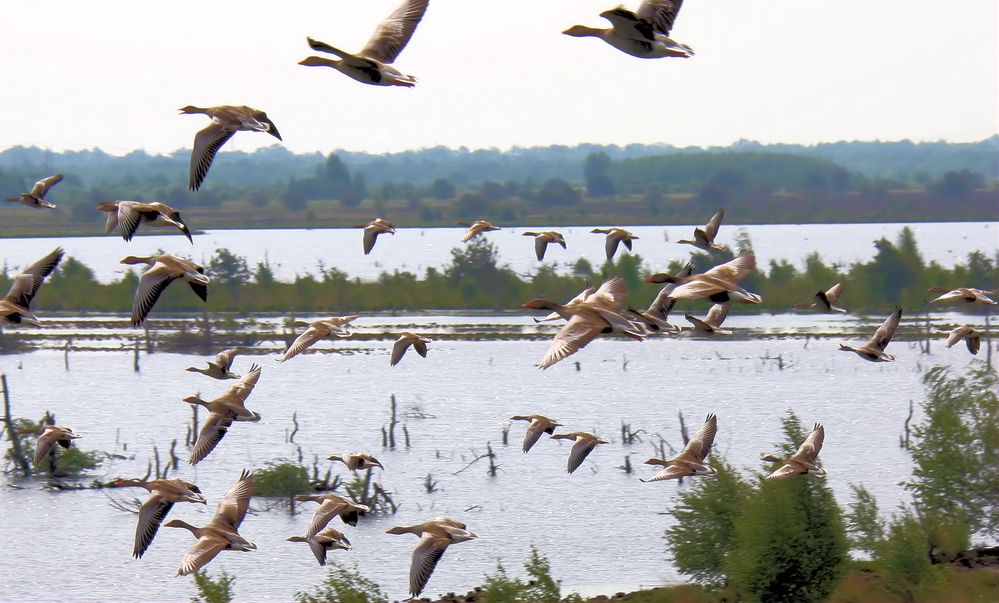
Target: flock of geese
x,y
644,33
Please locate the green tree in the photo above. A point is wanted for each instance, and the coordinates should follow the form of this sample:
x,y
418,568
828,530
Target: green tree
x,y
213,591
596,171
790,540
556,193
343,585
703,537
333,180
906,568
443,189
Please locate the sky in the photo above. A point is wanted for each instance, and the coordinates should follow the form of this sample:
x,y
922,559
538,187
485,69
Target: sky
x,y
112,74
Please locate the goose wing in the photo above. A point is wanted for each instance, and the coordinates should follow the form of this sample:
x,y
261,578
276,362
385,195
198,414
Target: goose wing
x,y
43,445
304,341
151,515
152,284
573,336
735,270
810,448
540,247
212,432
370,237
399,350
425,557
130,215
610,245
832,295
233,506
785,471
974,343
882,337
699,446
42,186
204,550
327,510
27,283
668,472
395,31
580,450
611,294
717,314
244,387
711,228
534,431
956,335
224,358
207,142
662,14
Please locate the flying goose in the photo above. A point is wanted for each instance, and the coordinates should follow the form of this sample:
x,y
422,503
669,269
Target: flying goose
x,y
435,536
643,34
126,216
690,461
585,443
329,539
219,368
50,436
402,344
330,506
826,300
36,198
615,236
966,294
598,313
163,493
222,532
164,269
704,238
874,350
720,284
971,336
373,64
539,424
582,295
476,228
803,461
356,461
15,307
651,321
542,239
712,322
320,329
226,121
372,230
229,407
656,317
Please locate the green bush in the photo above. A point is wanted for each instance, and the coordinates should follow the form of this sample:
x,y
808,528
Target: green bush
x,y
541,588
213,591
704,534
903,558
790,542
343,585
282,478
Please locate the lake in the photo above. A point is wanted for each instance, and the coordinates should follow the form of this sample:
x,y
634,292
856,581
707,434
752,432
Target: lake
x,y
601,528
292,252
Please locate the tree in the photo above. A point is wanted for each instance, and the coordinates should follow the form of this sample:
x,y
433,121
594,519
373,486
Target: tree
x,y
343,585
443,189
556,192
596,171
790,542
228,269
704,534
333,179
956,183
294,197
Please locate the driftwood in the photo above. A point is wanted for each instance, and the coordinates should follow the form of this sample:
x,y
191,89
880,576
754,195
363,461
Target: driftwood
x,y
18,455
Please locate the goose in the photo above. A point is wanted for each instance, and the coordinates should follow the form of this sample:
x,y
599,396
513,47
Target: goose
x,y
651,321
803,461
335,325
163,270
126,216
219,368
690,461
656,317
585,443
826,300
222,532
356,461
598,313
329,539
373,64
163,494
330,506
712,321
226,121
36,198
372,230
476,228
50,436
966,294
402,344
643,34
542,239
539,424
15,307
582,295
720,284
615,236
223,410
874,350
704,237
971,336
435,536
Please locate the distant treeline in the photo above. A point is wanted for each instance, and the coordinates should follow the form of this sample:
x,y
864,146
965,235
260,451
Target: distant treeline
x,y
474,280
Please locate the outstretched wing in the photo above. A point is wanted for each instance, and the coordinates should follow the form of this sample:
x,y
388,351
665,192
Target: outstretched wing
x,y
711,228
882,337
27,283
207,142
580,450
700,445
151,515
152,284
394,32
425,558
212,432
662,14
810,448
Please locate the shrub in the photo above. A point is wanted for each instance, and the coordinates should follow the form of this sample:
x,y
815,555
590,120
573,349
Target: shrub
x,y
542,588
281,479
343,585
213,591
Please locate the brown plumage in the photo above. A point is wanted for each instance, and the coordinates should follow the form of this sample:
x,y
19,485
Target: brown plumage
x,y
36,197
226,121
163,494
15,307
803,461
539,424
583,446
874,350
435,536
690,461
330,506
223,410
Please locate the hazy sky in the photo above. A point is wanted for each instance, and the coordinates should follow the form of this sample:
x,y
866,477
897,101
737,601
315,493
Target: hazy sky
x,y
111,74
